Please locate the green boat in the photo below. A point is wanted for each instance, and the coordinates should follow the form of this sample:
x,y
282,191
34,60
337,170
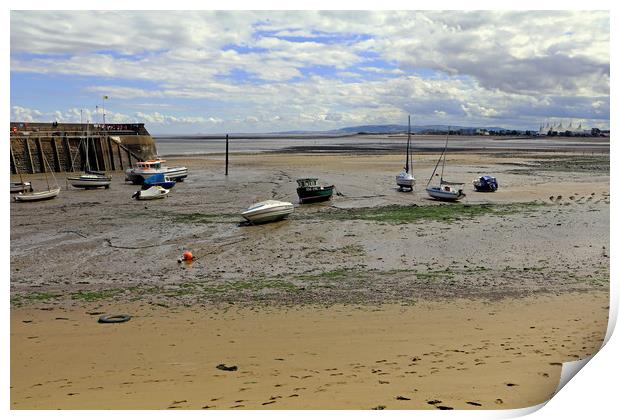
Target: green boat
x,y
310,192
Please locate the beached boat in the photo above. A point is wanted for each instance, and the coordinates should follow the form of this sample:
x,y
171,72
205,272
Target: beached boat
x,y
143,170
486,183
17,187
40,195
37,195
268,211
152,193
160,180
310,192
405,180
89,179
446,190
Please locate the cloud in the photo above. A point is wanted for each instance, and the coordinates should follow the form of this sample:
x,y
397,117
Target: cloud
x,y
323,69
19,113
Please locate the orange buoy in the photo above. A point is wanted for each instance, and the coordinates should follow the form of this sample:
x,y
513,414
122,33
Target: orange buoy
x,y
187,256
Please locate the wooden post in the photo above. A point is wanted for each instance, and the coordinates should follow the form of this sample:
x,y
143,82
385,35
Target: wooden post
x,y
120,156
67,147
40,152
96,154
13,165
83,156
29,156
56,157
110,153
129,157
226,154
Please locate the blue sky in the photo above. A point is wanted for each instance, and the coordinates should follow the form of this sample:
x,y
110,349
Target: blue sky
x,y
238,71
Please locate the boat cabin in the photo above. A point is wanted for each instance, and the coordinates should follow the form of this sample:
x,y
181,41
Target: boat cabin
x,y
150,164
307,182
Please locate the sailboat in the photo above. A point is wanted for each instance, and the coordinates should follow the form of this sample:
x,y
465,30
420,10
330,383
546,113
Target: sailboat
x,y
20,186
39,195
405,180
446,190
90,179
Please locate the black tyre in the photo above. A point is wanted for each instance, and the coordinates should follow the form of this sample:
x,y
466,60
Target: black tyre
x,y
113,319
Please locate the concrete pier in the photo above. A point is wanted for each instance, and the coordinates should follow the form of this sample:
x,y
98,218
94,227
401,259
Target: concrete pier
x,y
65,147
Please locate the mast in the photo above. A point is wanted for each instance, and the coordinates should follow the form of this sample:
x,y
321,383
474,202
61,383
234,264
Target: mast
x,y
408,140
444,156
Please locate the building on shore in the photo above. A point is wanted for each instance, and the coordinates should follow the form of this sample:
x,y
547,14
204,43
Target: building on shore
x,y
558,129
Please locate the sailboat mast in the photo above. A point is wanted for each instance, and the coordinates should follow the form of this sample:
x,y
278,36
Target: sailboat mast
x,y
444,156
408,140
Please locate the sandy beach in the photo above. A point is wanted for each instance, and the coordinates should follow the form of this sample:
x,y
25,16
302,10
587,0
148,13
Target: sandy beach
x,y
376,299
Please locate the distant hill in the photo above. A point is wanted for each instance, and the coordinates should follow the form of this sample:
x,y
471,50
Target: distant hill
x,y
394,128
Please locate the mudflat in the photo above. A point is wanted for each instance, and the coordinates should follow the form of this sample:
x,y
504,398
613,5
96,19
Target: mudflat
x,y
373,296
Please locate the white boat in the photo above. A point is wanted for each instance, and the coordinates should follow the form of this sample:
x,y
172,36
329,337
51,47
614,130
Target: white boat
x,y
90,181
143,170
446,190
405,180
38,195
268,211
152,193
17,187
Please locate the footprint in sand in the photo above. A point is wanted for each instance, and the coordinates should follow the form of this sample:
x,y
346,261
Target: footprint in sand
x,y
268,402
433,402
499,401
444,407
401,398
474,403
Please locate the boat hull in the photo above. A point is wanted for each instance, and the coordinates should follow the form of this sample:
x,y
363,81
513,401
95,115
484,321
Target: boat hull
x,y
37,196
268,213
90,181
17,187
315,194
405,180
138,177
166,184
438,194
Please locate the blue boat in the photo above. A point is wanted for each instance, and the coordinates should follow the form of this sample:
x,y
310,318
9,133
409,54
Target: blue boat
x,y
486,183
160,180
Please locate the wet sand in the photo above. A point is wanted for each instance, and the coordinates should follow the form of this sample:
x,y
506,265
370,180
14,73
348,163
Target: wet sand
x,y
463,355
325,281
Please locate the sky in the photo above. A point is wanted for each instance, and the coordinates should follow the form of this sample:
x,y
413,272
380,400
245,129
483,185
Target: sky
x,y
191,72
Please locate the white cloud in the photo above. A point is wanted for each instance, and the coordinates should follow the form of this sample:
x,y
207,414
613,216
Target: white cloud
x,y
479,67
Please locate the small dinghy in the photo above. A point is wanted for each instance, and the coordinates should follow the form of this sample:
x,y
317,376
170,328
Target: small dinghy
x,y
268,211
486,183
309,191
160,180
152,193
38,195
17,187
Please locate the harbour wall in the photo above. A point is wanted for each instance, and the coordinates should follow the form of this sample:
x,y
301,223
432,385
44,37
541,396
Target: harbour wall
x,y
66,147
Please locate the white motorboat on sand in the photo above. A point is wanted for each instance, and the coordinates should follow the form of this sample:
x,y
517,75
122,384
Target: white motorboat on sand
x,y
152,193
268,211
